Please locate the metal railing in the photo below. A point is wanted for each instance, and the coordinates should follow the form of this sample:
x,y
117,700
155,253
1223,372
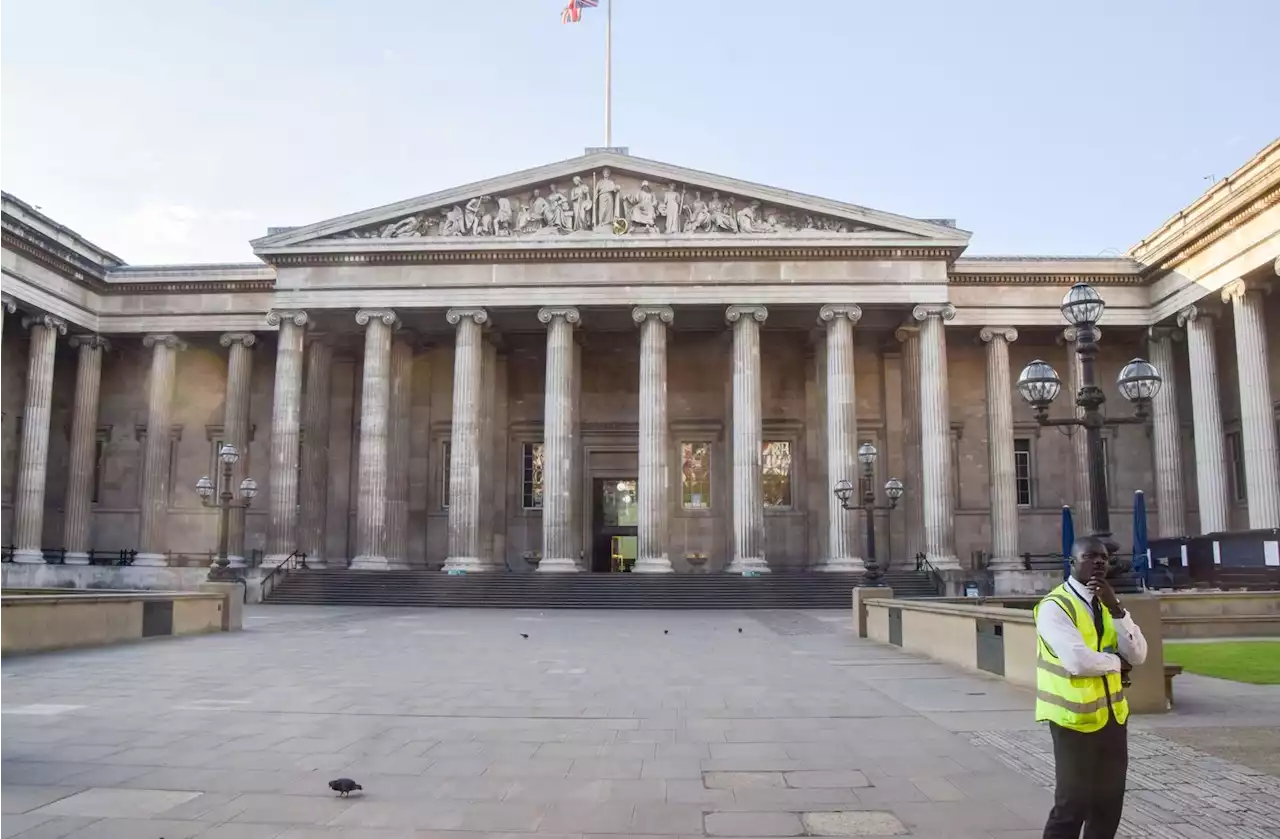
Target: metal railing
x,y
58,556
296,561
923,564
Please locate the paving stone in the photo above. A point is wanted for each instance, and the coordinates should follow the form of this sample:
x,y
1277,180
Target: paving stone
x,y
853,823
101,802
734,780
21,798
752,824
821,778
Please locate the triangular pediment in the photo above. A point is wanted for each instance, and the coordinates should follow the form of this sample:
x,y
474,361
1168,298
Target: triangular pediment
x,y
613,197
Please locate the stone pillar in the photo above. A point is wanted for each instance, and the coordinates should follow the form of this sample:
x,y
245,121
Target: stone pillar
x,y
1166,433
33,456
235,429
464,441
7,307
1206,418
286,425
913,498
398,425
748,440
560,493
314,503
1082,501
1003,478
154,504
654,477
935,436
488,521
84,436
842,436
375,399
1257,421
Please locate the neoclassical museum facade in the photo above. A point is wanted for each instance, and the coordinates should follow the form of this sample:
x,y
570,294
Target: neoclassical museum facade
x,y
611,355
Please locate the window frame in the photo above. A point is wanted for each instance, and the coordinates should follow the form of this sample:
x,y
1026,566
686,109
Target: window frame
x,y
1030,477
1236,467
527,490
446,470
790,443
710,474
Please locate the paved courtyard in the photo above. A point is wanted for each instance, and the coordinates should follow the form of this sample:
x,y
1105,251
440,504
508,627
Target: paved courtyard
x,y
644,724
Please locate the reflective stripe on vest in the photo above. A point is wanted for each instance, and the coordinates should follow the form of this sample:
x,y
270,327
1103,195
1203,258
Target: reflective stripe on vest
x,y
1077,702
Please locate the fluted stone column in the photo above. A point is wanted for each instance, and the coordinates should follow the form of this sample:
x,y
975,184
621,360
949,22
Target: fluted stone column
x,y
913,498
935,436
314,501
399,424
651,488
154,504
1206,418
7,307
235,429
1257,421
1003,479
748,440
1082,501
488,380
560,493
842,436
286,424
1166,433
375,401
33,456
84,436
464,441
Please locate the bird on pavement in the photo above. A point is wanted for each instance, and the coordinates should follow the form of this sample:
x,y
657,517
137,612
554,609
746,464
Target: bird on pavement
x,y
739,630
345,786
524,635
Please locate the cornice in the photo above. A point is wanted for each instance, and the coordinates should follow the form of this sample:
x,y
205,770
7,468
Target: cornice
x,y
955,278
200,287
63,261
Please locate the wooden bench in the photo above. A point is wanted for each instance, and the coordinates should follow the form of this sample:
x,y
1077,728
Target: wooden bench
x,y
1170,671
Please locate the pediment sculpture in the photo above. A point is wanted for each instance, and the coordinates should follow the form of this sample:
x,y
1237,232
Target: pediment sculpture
x,y
604,203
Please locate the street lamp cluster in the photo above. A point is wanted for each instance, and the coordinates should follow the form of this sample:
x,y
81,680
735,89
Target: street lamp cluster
x,y
893,490
225,502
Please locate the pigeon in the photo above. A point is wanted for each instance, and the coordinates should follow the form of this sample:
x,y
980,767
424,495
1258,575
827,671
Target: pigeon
x,y
344,786
739,630
524,635
664,632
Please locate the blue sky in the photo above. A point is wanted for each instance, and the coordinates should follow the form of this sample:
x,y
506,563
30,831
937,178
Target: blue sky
x,y
176,131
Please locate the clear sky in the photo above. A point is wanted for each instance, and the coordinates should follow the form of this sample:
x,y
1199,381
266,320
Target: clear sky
x,y
176,131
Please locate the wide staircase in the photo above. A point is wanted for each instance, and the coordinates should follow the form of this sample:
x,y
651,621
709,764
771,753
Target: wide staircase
x,y
583,591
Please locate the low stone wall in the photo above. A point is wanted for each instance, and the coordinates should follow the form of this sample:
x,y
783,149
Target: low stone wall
x,y
15,575
1219,614
1002,641
36,622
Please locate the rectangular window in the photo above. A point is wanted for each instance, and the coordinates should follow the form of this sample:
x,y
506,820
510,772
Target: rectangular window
x,y
1235,451
695,476
99,454
775,473
1022,470
215,463
866,483
446,472
531,476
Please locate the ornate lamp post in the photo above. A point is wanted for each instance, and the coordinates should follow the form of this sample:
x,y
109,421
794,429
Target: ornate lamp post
x,y
1139,382
844,493
225,502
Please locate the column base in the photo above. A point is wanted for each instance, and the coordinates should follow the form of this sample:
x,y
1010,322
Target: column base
x,y
653,565
563,565
234,561
318,563
369,562
28,556
76,558
268,561
151,560
843,565
1020,581
466,564
947,562
744,564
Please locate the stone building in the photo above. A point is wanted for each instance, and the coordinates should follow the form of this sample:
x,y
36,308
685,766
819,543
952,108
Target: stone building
x,y
522,369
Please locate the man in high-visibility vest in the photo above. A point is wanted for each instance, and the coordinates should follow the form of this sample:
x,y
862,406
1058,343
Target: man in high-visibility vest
x,y
1085,641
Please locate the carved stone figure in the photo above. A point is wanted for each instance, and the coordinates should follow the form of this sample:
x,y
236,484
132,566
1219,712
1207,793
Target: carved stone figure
x,y
454,222
643,212
606,200
405,227
699,215
559,215
669,209
538,210
747,222
720,217
476,221
580,196
502,221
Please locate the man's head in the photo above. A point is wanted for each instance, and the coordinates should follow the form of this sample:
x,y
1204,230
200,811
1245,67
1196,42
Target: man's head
x,y
1089,558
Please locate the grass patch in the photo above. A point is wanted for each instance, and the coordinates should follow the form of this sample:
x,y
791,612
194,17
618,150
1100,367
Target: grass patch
x,y
1255,662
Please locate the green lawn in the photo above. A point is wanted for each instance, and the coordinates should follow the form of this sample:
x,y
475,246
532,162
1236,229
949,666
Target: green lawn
x,y
1256,662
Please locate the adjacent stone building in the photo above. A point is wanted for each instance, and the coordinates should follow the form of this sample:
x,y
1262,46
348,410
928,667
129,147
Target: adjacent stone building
x,y
615,355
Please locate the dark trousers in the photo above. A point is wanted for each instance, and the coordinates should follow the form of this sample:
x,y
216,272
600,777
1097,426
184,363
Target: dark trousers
x,y
1090,771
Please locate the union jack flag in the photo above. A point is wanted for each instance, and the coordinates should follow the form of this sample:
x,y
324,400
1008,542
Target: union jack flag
x,y
573,12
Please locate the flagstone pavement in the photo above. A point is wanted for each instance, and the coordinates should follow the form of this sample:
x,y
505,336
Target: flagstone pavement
x,y
720,724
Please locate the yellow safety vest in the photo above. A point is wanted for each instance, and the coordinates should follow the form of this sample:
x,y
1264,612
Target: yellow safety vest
x,y
1079,703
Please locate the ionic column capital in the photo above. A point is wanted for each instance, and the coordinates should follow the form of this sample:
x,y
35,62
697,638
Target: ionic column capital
x,y
47,321
8,303
570,314
275,317
735,313
923,312
665,314
1164,333
906,332
387,316
93,342
244,339
831,311
455,316
989,333
166,339
1196,312
1073,334
1237,289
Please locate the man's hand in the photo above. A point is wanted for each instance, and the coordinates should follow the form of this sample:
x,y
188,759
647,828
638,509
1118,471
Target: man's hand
x,y
1105,593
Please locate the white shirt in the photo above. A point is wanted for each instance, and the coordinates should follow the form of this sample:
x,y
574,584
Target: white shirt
x,y
1057,629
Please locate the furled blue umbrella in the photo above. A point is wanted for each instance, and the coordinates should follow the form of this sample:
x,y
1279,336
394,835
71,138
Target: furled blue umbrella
x,y
1068,537
1141,559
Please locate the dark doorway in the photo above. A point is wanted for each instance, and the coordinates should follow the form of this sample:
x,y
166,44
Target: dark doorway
x,y
613,524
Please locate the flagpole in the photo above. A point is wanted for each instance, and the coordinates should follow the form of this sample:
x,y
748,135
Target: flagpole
x,y
608,73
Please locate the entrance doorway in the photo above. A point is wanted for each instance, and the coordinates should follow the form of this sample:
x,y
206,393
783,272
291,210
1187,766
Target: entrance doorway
x,y
613,524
